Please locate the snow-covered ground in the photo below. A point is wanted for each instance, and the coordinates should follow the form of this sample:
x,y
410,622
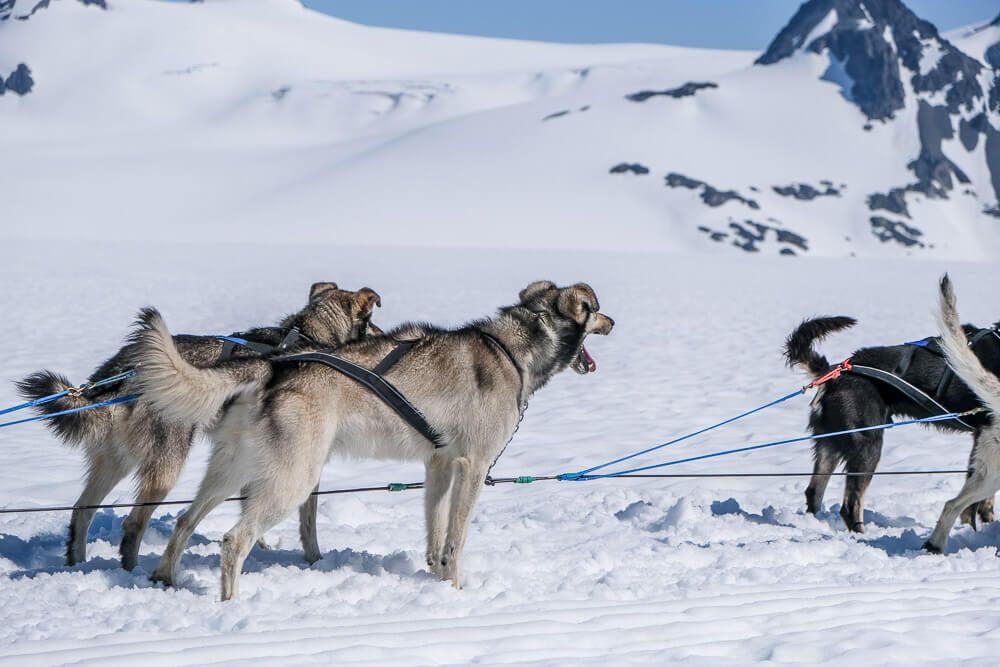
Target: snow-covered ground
x,y
262,121
712,572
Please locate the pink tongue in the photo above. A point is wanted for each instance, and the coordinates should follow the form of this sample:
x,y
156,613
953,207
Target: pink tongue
x,y
591,364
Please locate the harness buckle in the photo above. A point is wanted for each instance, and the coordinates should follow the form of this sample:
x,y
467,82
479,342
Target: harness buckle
x,y
843,367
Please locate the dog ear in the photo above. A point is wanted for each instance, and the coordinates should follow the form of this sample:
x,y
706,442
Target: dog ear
x,y
577,302
319,288
535,288
366,299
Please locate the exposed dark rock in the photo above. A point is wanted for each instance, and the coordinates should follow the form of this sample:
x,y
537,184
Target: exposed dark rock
x,y
968,133
749,235
714,235
625,167
992,56
886,230
892,201
675,180
709,195
932,168
687,90
20,81
870,41
995,211
7,8
993,156
806,192
557,114
584,108
280,93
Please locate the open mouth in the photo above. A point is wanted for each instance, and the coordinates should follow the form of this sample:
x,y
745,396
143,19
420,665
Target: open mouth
x,y
583,363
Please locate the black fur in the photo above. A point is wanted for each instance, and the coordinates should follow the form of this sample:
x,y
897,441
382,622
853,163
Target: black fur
x,y
45,383
854,401
799,345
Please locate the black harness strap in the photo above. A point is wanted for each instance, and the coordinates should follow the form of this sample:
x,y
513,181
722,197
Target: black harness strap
x,y
916,395
378,385
233,341
933,345
390,360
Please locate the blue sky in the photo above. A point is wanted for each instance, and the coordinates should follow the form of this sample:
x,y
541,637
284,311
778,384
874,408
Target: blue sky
x,y
736,24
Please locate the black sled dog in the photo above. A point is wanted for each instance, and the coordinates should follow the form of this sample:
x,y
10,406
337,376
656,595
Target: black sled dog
x,y
912,380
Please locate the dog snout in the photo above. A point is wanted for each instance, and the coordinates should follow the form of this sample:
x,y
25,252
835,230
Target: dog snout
x,y
604,324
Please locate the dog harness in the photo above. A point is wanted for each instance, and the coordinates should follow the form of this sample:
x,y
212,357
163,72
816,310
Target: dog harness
x,y
373,381
288,338
930,403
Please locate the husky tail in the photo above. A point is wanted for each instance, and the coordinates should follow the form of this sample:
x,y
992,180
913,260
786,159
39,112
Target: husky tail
x,y
179,391
960,356
73,429
799,345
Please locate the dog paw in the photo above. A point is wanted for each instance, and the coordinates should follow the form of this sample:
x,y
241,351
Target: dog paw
x,y
931,548
163,578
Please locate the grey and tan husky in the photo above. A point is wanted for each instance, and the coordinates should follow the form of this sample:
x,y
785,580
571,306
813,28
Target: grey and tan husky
x,y
984,462
470,383
128,438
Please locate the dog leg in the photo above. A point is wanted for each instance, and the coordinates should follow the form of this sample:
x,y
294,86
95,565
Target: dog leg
x,y
155,481
438,482
103,473
307,528
825,462
271,500
983,481
983,509
223,478
977,486
986,510
864,458
467,482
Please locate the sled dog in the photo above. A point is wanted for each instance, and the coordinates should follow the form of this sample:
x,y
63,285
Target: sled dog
x,y
470,384
128,438
983,480
854,401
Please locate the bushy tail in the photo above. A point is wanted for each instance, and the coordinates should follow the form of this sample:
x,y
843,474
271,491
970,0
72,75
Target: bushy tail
x,y
179,391
799,345
74,429
960,356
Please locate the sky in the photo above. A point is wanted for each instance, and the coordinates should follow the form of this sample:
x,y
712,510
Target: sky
x,y
730,24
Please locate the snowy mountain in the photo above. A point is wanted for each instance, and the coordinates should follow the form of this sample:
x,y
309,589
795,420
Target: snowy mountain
x,y
860,131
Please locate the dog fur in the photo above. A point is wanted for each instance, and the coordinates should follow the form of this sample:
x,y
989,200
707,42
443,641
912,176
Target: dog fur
x,y
983,480
273,444
128,438
854,401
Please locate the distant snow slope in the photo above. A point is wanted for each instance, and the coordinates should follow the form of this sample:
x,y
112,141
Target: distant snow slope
x,y
701,571
261,121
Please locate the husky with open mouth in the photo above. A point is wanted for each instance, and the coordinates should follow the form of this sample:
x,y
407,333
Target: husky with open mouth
x,y
470,384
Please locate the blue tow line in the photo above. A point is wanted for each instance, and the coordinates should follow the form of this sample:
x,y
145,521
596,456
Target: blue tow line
x,y
584,477
585,474
82,408
66,392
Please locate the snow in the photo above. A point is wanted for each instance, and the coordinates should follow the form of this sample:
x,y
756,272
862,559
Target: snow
x,y
266,121
214,159
712,572
974,39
